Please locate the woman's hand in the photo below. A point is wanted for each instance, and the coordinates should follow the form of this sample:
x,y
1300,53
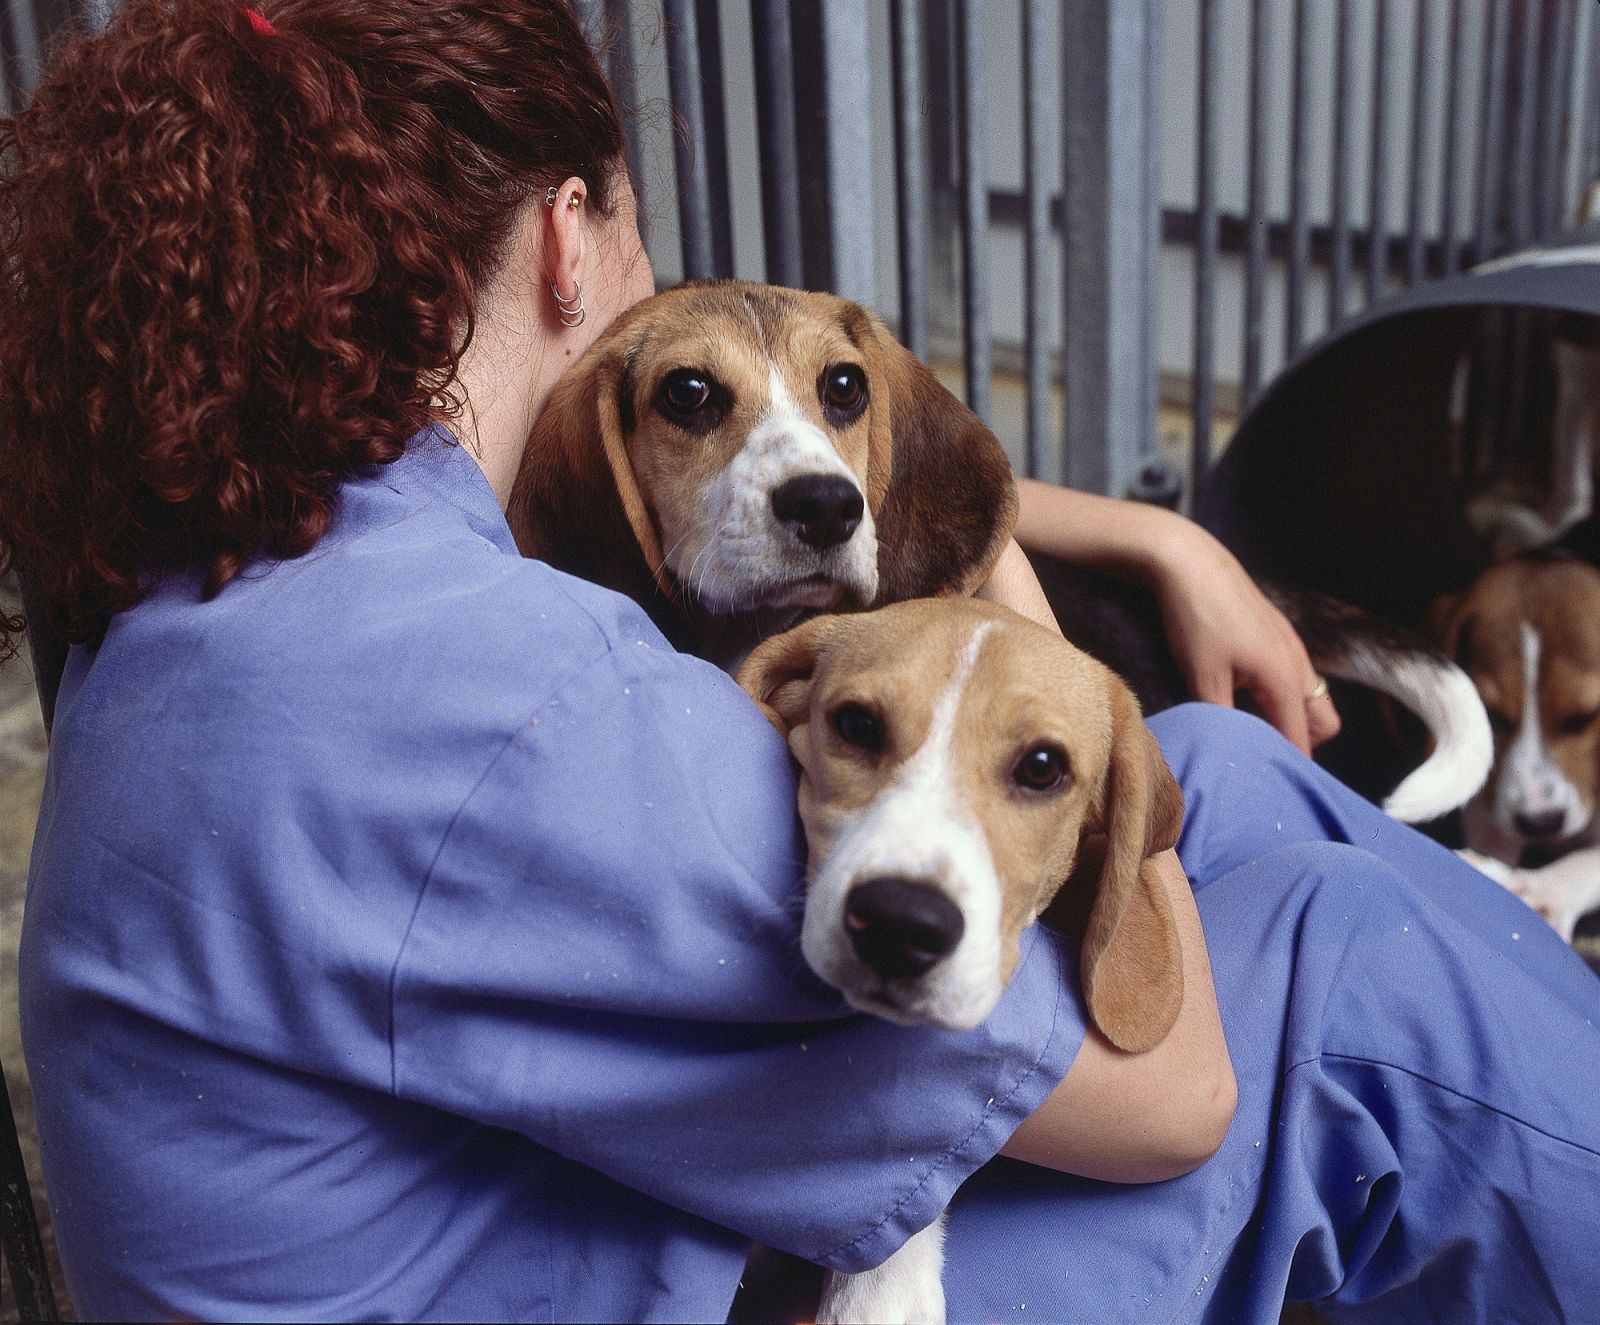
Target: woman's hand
x,y
1224,634
1228,638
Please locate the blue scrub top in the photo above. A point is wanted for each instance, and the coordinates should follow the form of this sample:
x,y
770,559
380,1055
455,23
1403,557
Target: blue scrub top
x,y
412,934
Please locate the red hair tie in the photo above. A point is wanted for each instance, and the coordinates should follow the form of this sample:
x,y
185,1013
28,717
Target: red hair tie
x,y
258,21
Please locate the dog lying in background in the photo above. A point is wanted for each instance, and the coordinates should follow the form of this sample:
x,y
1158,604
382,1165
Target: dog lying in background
x,y
953,756
737,457
1528,634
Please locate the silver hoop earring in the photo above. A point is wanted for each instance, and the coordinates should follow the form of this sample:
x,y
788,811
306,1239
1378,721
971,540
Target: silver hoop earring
x,y
569,308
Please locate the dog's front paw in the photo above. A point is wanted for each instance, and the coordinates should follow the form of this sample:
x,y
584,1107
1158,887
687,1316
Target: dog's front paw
x,y
905,1290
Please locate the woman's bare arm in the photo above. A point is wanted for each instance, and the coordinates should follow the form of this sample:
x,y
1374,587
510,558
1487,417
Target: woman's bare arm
x,y
1221,629
1146,1117
1126,1117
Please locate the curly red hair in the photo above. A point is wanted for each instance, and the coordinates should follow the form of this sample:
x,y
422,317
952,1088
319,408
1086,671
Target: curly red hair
x,y
238,266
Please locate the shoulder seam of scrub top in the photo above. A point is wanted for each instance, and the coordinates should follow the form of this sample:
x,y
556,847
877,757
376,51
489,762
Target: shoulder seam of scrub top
x,y
510,740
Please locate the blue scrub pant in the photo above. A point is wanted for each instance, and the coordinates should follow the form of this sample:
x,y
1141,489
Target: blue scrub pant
x,y
1418,1056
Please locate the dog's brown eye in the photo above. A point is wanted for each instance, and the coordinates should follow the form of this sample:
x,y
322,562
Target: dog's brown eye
x,y
686,391
1500,722
859,726
844,392
1043,768
1576,723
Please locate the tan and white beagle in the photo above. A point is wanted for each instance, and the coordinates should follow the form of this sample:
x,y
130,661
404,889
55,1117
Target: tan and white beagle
x,y
1528,634
954,758
734,456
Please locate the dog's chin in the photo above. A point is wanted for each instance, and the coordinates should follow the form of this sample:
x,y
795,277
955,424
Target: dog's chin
x,y
800,596
915,1006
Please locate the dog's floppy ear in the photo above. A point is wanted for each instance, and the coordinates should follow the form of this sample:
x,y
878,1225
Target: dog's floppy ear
x,y
576,502
1131,959
779,672
938,481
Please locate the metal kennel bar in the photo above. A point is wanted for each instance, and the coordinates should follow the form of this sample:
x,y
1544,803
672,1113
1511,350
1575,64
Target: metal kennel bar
x,y
1206,241
1299,180
773,37
1423,89
1037,78
1378,158
975,333
1256,180
1495,62
911,172
1344,159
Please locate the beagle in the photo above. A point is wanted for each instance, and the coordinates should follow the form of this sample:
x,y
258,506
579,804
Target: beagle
x,y
736,456
1527,631
953,756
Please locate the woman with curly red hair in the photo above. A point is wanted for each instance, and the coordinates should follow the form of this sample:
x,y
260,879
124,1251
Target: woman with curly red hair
x,y
411,933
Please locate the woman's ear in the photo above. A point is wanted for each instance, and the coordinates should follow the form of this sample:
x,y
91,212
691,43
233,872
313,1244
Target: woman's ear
x,y
1132,961
938,481
565,238
778,675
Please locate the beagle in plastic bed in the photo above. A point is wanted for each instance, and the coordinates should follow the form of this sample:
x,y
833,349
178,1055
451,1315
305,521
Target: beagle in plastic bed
x,y
735,457
953,757
1528,633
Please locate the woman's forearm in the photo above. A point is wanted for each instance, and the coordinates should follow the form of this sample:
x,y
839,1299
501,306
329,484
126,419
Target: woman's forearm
x,y
1122,1117
1121,538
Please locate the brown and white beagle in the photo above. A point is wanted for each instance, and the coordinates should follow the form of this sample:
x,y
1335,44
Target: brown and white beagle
x,y
1527,632
954,759
735,456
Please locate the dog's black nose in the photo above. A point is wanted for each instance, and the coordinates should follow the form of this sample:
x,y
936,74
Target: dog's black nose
x,y
900,928
824,509
1546,823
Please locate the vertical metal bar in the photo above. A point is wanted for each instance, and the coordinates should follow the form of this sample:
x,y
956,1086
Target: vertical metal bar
x,y
590,18
708,32
1299,179
689,146
1556,59
1523,151
1256,220
910,172
622,76
1592,121
1108,139
1037,105
1343,161
1491,129
1378,174
834,126
847,94
1450,154
25,50
1153,480
96,13
1580,98
775,130
974,212
1202,374
1424,72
